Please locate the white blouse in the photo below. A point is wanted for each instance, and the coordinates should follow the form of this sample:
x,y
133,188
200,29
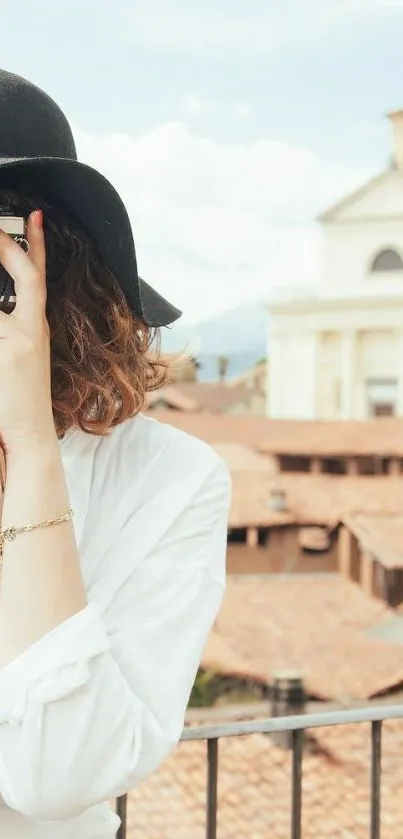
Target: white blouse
x,y
94,706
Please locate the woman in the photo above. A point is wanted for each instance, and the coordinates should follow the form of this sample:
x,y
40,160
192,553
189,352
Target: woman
x,y
103,617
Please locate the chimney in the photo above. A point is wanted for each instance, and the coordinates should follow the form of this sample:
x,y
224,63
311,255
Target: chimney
x,y
396,119
288,698
277,500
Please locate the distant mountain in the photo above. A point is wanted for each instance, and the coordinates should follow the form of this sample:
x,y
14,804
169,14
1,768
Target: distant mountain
x,y
240,334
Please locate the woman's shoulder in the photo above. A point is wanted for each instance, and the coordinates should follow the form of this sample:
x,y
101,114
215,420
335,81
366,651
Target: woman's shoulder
x,y
142,447
143,430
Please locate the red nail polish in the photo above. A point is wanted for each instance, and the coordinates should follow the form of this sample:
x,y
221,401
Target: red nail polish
x,y
38,218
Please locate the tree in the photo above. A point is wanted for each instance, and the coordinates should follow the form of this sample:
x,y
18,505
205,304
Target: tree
x,y
223,364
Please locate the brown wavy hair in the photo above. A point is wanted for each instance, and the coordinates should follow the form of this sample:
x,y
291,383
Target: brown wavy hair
x,y
104,360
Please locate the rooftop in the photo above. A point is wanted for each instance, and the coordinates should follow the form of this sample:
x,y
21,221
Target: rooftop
x,y
311,499
319,625
381,535
171,397
254,788
213,397
241,458
340,438
382,436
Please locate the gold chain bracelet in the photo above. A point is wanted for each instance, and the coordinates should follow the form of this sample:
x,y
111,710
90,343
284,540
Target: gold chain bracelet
x,y
11,532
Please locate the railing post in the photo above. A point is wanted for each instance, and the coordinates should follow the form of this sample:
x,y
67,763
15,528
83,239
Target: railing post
x,y
212,776
121,809
297,741
376,742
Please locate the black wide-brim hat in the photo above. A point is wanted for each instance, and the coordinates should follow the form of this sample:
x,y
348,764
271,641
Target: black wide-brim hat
x,y
36,141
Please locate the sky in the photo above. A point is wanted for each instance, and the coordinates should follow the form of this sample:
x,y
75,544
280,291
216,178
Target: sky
x,y
225,125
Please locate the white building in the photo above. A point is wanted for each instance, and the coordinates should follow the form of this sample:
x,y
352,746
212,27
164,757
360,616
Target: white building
x,y
339,355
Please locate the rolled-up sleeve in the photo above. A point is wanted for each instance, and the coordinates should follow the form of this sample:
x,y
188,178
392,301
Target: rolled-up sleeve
x,y
95,705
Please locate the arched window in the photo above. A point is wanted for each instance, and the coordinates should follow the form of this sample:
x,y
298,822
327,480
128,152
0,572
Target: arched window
x,y
387,260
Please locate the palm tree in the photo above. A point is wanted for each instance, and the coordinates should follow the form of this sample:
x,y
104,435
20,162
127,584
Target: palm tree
x,y
223,364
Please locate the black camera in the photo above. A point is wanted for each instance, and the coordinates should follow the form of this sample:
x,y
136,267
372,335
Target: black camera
x,y
16,227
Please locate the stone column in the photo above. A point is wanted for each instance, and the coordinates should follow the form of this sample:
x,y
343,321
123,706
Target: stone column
x,y
347,374
367,573
252,537
345,552
399,357
394,466
352,466
274,382
316,466
312,344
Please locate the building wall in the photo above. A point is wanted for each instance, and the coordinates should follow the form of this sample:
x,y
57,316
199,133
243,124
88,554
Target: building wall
x,y
375,357
292,385
329,375
323,361
363,568
282,554
378,359
348,251
255,381
324,349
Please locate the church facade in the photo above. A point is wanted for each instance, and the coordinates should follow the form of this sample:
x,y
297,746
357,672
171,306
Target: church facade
x,y
339,354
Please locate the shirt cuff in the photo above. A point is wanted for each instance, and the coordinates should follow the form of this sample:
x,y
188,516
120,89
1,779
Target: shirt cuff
x,y
54,666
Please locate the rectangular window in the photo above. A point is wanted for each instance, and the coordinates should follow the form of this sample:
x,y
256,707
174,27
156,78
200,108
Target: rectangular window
x,y
381,397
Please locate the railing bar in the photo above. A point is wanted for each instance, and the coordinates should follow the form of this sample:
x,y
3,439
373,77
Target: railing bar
x,y
294,723
121,809
376,744
212,780
296,788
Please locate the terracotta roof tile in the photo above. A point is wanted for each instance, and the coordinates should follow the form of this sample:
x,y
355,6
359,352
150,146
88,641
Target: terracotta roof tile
x,y
311,499
254,789
313,624
241,458
337,438
213,397
172,397
383,436
219,428
381,535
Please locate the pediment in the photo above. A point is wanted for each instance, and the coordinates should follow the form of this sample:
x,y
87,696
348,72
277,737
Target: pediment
x,y
378,199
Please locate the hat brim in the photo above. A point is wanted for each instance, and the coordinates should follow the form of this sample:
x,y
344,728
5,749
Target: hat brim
x,y
97,205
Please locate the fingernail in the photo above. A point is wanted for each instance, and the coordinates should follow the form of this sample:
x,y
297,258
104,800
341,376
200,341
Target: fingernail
x,y
38,218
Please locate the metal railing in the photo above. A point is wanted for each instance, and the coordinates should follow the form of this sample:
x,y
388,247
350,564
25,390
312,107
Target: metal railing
x,y
212,734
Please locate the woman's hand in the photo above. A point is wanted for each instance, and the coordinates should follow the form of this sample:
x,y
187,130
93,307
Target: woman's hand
x,y
26,417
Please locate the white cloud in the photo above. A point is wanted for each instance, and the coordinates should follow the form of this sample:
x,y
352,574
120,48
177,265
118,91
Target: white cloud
x,y
217,224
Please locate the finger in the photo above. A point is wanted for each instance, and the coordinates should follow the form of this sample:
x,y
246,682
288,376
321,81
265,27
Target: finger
x,y
30,286
37,256
36,239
